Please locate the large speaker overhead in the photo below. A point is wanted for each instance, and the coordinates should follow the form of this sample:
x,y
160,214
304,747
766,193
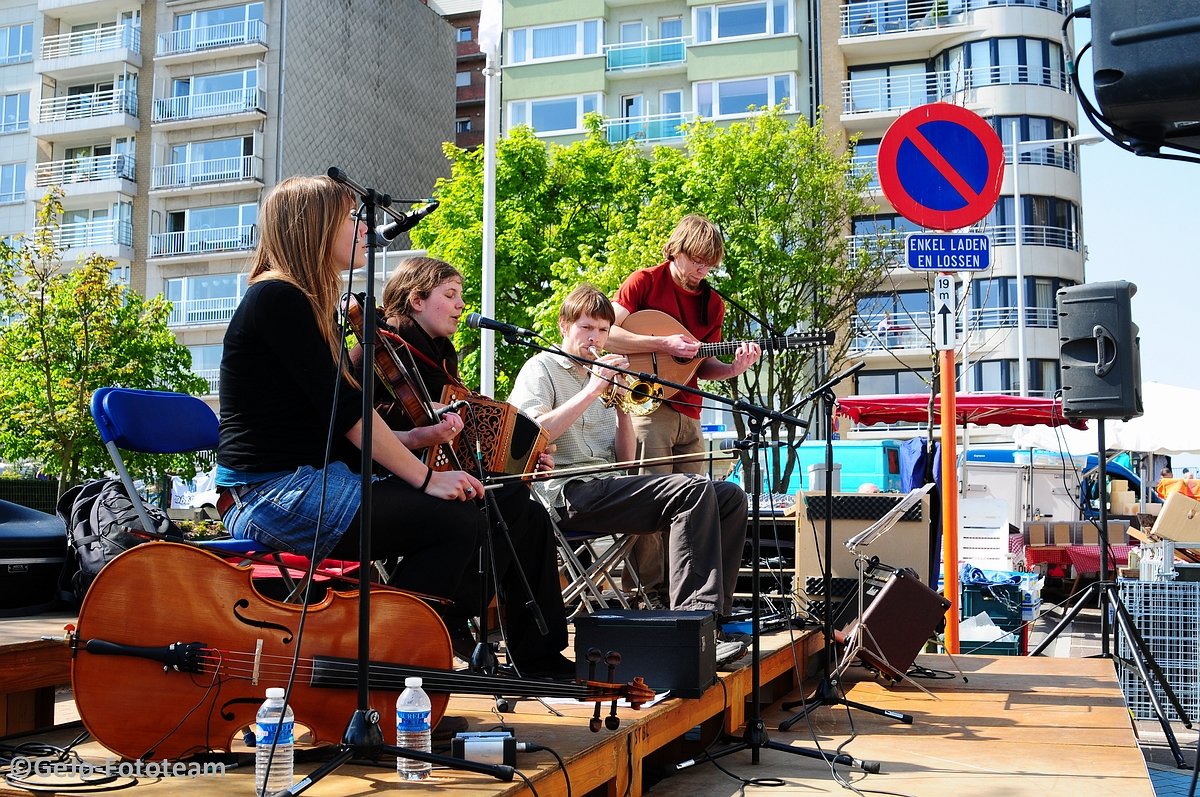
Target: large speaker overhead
x,y
1146,58
1099,351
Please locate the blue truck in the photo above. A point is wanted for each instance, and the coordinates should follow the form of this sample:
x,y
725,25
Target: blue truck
x,y
862,461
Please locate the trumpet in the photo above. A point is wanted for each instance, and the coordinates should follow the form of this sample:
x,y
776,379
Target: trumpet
x,y
635,397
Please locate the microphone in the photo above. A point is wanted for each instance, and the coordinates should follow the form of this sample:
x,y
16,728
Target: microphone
x,y
392,229
453,406
745,445
477,321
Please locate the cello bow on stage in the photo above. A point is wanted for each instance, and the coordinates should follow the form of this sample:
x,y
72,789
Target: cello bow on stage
x,y
586,470
174,648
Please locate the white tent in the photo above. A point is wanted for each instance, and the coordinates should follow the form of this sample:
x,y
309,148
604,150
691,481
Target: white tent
x,y
1166,427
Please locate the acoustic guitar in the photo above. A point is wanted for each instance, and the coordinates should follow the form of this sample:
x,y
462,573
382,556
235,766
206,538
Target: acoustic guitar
x,y
681,370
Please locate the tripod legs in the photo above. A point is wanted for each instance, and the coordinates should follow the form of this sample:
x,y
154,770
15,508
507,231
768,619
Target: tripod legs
x,y
755,739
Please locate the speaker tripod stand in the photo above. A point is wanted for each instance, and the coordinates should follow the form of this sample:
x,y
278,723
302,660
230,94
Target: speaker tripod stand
x,y
1109,597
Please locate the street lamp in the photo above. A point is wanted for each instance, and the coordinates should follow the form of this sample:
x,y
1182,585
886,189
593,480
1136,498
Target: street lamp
x,y
1018,222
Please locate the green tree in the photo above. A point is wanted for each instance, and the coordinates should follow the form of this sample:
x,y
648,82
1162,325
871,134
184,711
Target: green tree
x,y
783,195
68,332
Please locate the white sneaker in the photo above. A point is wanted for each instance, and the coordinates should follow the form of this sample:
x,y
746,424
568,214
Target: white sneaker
x,y
730,651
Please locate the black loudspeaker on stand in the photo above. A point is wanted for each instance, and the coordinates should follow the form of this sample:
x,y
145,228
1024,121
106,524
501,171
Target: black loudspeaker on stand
x,y
1099,351
1101,378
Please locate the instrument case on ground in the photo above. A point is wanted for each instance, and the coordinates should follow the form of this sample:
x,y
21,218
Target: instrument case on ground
x,y
33,550
673,651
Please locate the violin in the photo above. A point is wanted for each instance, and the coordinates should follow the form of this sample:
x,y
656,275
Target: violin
x,y
175,646
402,380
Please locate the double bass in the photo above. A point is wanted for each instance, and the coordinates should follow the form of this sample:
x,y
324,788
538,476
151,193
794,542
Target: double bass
x,y
174,648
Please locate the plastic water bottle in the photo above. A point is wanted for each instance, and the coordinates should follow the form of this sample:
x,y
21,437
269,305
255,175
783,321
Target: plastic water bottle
x,y
412,729
274,725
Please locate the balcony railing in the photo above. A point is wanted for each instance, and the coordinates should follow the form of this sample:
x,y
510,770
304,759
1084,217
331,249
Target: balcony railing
x,y
644,55
213,103
888,245
211,37
87,106
868,165
203,311
858,19
87,42
915,331
102,232
215,239
206,172
661,127
84,170
1034,235
213,377
902,92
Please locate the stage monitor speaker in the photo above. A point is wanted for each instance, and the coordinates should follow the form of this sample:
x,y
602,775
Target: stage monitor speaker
x,y
1145,60
898,623
1099,352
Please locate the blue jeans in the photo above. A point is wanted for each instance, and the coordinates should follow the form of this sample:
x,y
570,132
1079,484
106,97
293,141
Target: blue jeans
x,y
282,512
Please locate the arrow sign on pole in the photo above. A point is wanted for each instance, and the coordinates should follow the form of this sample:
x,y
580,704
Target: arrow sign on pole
x,y
943,312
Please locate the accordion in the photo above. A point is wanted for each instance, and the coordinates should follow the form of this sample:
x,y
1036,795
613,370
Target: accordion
x,y
509,440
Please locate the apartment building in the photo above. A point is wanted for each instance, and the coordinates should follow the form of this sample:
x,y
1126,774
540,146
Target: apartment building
x,y
469,80
649,67
166,123
1002,59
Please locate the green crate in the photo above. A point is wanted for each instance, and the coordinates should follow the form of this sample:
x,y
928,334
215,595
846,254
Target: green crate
x,y
1001,602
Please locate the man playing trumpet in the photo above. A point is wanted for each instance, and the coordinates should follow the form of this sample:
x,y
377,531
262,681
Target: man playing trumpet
x,y
705,521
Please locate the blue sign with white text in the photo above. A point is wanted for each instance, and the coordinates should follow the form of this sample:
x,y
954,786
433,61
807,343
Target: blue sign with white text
x,y
947,252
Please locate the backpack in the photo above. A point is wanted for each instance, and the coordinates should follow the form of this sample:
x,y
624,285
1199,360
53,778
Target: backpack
x,y
99,516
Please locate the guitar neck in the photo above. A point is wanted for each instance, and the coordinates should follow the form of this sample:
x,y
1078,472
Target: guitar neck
x,y
766,344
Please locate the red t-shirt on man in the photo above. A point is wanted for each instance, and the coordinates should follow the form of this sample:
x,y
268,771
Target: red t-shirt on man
x,y
654,289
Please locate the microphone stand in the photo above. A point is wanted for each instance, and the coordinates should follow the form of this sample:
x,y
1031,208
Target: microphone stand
x,y
755,737
827,692
363,737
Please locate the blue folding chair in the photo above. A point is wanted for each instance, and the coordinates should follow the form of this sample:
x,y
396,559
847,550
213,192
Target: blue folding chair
x,y
160,422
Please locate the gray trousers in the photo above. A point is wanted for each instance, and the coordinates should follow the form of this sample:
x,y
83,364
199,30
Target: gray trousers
x,y
705,523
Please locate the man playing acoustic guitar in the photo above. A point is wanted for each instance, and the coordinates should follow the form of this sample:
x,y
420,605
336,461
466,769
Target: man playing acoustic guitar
x,y
677,287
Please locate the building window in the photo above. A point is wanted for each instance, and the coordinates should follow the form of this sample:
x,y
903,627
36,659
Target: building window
x,y
890,383
889,88
16,44
207,299
462,79
553,115
1000,62
464,35
462,125
742,20
1046,221
14,112
12,182
724,98
1036,128
572,40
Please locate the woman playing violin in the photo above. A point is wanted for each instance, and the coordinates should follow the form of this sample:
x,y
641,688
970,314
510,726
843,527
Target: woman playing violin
x,y
285,388
422,302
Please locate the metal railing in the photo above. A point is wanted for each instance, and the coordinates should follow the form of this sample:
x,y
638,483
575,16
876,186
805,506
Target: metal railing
x,y
213,377
211,37
915,331
84,170
901,92
1034,235
87,42
643,55
205,172
858,19
87,106
203,311
213,103
214,239
660,127
102,232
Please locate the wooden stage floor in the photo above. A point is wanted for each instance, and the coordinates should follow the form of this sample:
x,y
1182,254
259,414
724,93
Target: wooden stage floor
x,y
1020,726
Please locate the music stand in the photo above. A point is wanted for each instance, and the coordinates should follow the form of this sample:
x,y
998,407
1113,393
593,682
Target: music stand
x,y
861,633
